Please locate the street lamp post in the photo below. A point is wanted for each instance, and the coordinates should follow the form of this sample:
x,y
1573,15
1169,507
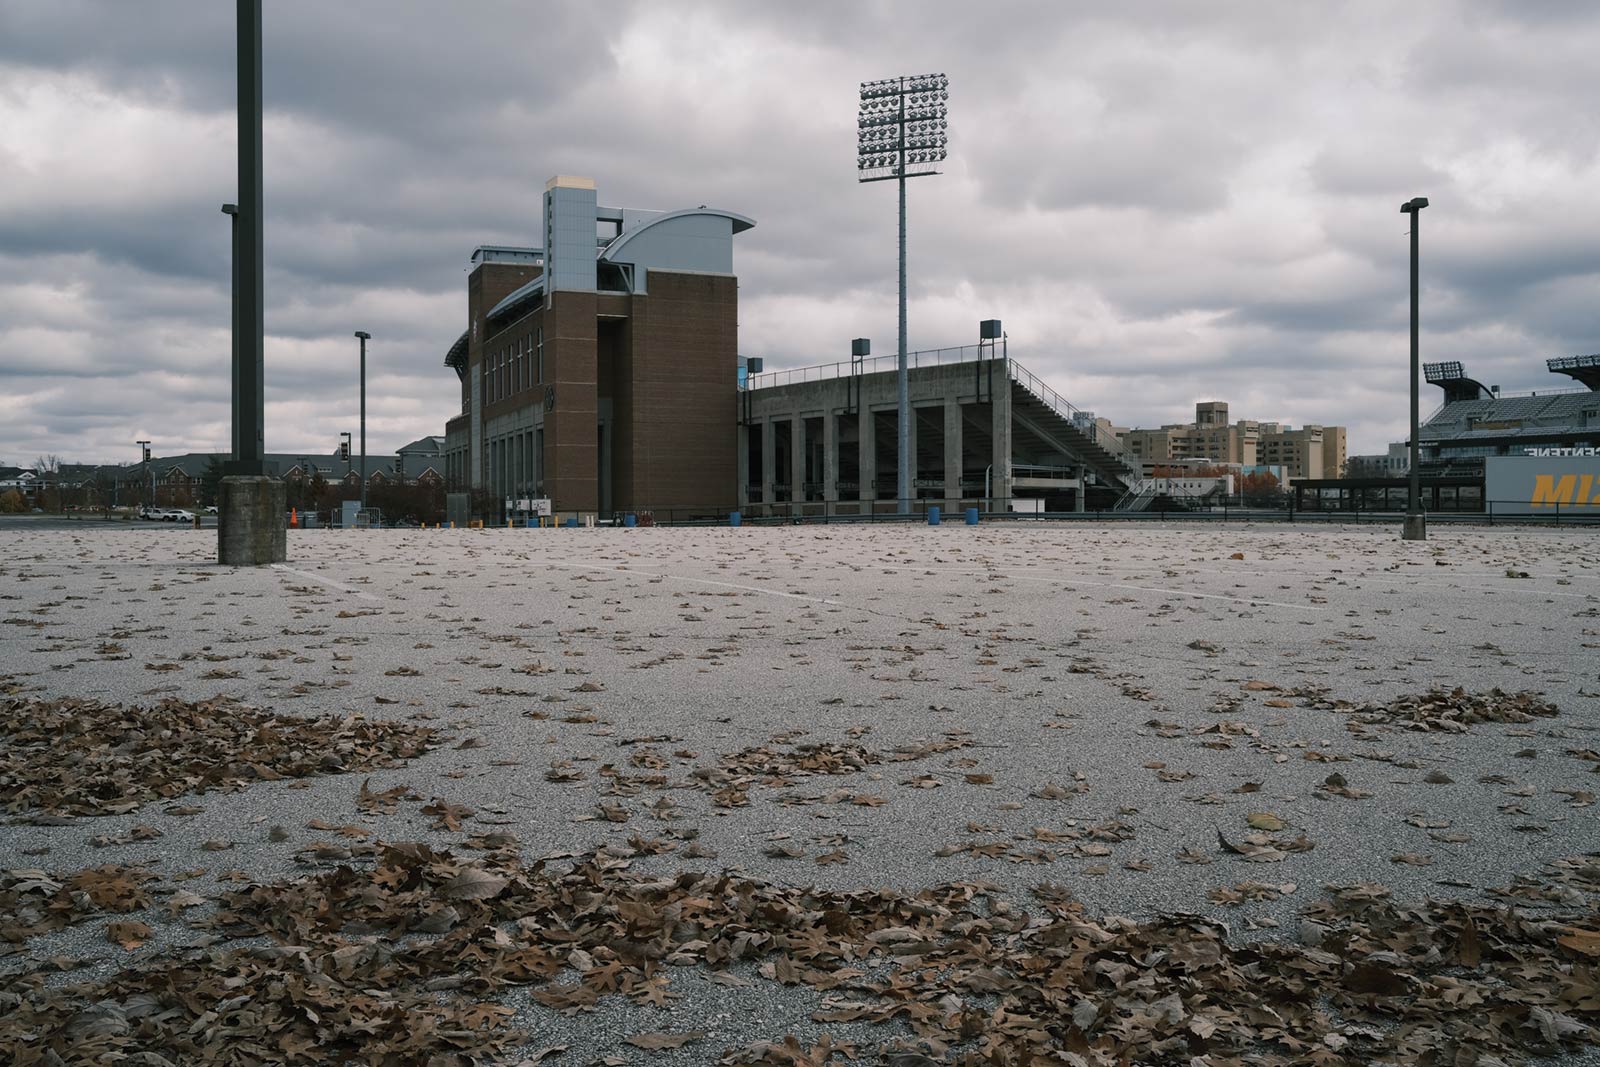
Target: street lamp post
x,y
251,504
1416,524
365,337
249,393
144,474
901,134
232,211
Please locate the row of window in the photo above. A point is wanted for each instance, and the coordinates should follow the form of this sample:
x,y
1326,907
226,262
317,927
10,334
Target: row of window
x,y
516,464
516,365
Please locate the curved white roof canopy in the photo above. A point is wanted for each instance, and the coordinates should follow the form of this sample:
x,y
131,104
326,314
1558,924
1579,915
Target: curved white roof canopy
x,y
694,239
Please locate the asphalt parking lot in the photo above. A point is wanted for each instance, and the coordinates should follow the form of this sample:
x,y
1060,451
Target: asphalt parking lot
x,y
1111,709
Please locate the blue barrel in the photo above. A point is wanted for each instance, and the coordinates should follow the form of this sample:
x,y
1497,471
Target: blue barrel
x,y
933,516
630,519
573,521
734,518
972,516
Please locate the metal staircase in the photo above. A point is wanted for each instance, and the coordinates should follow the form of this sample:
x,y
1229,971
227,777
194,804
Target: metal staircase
x,y
1137,498
1077,433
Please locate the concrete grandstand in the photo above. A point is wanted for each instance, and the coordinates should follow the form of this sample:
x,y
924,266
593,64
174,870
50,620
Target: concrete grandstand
x,y
1478,421
985,433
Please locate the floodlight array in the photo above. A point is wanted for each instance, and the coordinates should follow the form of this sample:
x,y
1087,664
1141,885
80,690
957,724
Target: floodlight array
x,y
902,122
915,83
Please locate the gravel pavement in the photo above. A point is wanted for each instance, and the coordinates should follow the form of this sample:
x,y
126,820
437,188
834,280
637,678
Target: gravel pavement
x,y
1136,689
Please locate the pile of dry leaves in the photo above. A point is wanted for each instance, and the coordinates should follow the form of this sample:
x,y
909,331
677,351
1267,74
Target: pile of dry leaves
x,y
86,757
32,902
730,780
398,961
1447,710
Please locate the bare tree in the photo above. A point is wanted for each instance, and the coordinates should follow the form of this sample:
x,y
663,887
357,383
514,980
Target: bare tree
x,y
47,469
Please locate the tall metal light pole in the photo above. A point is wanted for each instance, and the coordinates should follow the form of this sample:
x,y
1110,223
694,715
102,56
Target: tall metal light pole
x,y
232,211
901,134
144,460
251,505
249,395
365,337
1416,524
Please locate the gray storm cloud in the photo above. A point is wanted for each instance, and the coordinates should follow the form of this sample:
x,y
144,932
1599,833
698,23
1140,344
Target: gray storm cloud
x,y
1166,204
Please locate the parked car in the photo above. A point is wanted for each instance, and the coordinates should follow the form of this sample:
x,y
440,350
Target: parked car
x,y
212,510
150,513
178,515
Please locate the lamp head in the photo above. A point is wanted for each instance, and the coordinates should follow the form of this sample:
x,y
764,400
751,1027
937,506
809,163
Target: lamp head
x,y
1414,205
230,209
364,335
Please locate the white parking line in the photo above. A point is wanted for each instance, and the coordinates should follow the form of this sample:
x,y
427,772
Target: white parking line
x,y
328,582
623,568
1253,602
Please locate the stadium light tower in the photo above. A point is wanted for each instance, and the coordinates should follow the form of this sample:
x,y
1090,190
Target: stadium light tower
x,y
1416,524
901,134
364,336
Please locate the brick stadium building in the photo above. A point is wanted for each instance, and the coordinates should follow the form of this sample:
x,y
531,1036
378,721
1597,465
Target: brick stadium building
x,y
599,371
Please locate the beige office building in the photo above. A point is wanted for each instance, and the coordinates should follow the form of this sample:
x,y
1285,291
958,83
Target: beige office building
x,y
1308,452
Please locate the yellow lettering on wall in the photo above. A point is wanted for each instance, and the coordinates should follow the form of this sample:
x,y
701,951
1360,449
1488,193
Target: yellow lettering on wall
x,y
1548,492
1583,489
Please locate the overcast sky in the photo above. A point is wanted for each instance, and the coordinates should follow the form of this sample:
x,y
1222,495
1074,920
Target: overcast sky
x,y
1169,203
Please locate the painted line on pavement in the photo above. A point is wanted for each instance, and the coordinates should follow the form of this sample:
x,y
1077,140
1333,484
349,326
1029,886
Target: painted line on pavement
x,y
1057,579
328,582
624,569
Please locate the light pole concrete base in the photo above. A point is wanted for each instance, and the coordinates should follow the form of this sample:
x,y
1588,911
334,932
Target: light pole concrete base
x,y
1415,528
251,528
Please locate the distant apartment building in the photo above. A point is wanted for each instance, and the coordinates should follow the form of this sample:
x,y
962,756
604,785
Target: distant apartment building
x,y
1307,452
1391,464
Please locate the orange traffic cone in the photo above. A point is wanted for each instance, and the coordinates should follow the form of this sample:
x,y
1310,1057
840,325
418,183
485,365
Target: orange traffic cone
x,y
294,519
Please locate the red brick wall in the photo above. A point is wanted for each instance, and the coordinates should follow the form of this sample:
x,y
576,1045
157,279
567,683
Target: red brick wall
x,y
571,429
677,429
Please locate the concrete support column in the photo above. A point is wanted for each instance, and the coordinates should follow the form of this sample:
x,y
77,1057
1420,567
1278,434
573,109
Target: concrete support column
x,y
1083,480
741,439
911,449
867,468
1000,415
869,458
797,459
952,452
830,456
252,529
769,464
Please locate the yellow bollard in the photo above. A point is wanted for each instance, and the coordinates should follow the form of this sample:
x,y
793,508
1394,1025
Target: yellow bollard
x,y
452,524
